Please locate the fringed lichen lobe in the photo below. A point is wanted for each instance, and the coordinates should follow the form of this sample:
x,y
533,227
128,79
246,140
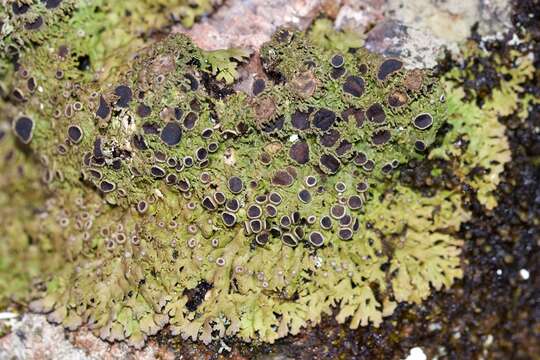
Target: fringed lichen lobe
x,y
251,214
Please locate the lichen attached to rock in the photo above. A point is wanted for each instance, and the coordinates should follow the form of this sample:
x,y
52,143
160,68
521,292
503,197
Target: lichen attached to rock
x,y
161,196
476,143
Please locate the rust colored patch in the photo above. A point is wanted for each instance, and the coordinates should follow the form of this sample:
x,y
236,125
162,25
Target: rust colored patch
x,y
264,108
414,80
292,171
282,178
331,8
305,84
397,98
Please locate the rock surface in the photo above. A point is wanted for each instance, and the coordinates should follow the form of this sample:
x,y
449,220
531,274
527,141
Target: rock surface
x,y
33,338
248,24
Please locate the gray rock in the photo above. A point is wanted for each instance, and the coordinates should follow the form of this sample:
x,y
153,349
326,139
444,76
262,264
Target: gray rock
x,y
416,48
418,30
32,337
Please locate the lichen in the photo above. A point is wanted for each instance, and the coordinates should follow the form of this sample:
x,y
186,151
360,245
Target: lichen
x,y
157,195
21,258
222,64
96,34
476,143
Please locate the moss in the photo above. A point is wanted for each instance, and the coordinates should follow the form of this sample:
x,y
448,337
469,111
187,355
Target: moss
x,y
130,228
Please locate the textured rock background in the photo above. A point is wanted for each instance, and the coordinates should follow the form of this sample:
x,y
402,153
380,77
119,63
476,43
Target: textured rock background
x,y
414,30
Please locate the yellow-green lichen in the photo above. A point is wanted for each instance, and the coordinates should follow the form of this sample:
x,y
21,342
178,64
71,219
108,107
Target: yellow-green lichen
x,y
221,65
139,172
98,34
477,143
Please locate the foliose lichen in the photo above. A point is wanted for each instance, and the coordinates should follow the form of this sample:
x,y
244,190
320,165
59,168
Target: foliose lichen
x,y
76,43
476,143
163,197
